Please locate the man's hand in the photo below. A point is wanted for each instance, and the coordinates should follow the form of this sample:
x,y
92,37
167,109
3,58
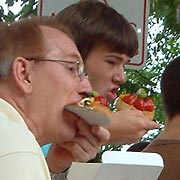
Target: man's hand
x,y
83,147
128,126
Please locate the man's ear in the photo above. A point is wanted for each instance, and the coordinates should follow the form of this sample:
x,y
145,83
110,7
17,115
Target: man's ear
x,y
22,75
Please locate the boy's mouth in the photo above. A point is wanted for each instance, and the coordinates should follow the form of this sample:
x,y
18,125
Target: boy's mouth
x,y
111,95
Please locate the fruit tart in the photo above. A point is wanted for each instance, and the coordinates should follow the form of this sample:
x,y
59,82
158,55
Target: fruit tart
x,y
138,100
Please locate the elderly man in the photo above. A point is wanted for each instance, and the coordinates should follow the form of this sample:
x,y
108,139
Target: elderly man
x,y
41,71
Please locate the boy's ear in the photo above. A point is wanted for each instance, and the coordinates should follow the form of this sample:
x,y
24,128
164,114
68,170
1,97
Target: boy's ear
x,y
21,73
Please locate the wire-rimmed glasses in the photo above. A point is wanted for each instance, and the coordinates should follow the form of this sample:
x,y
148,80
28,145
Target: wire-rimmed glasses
x,y
77,69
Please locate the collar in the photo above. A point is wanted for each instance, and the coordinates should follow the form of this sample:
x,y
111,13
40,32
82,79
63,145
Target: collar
x,y
10,113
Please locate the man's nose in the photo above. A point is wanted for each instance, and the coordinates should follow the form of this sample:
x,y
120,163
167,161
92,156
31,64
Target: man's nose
x,y
85,86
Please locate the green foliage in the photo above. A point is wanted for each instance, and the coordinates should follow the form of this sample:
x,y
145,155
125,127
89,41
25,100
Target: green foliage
x,y
28,9
166,10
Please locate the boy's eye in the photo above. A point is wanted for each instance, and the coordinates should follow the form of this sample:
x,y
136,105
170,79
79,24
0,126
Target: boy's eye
x,y
111,62
128,61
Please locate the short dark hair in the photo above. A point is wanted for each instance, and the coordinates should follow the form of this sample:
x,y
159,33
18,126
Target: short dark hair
x,y
170,87
94,24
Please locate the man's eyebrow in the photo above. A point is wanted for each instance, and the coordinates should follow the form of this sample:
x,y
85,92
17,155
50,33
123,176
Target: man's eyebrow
x,y
74,55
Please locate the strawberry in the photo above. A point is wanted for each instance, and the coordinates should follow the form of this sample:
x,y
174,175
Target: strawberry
x,y
130,99
102,100
149,104
140,104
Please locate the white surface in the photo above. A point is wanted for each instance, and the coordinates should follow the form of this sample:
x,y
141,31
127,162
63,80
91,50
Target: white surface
x,y
83,171
119,165
118,157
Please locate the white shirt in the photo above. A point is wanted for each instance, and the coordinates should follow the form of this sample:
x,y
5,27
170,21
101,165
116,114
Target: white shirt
x,y
21,157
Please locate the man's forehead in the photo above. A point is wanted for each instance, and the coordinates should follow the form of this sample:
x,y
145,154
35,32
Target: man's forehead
x,y
50,32
57,42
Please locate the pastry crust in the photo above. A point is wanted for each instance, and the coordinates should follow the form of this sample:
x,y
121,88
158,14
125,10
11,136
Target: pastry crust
x,y
102,109
149,114
121,105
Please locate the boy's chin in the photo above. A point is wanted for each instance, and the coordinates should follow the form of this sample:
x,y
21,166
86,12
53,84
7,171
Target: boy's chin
x,y
111,97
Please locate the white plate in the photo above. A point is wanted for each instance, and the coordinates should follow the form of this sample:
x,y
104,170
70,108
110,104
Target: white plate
x,y
89,115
